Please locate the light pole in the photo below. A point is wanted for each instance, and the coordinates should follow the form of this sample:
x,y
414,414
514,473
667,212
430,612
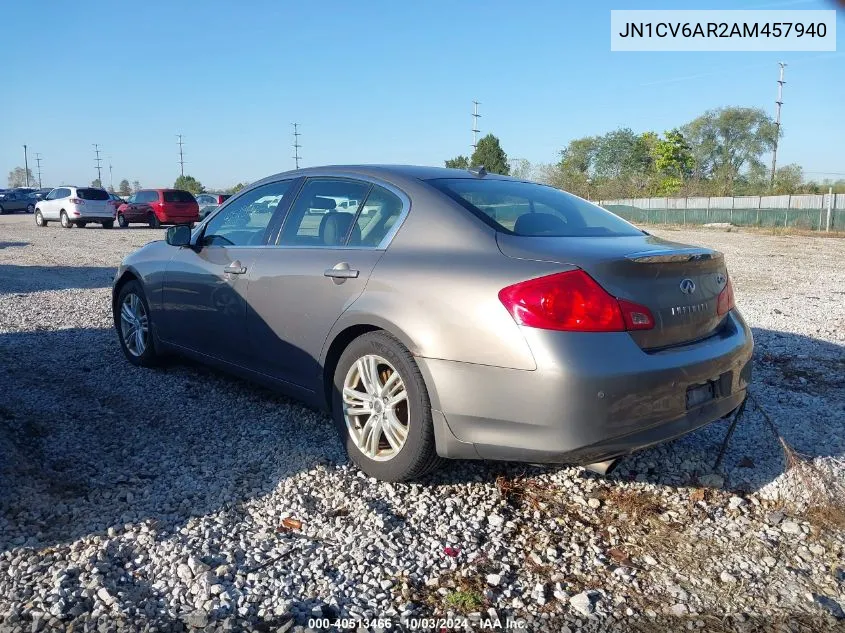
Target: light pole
x,y
25,166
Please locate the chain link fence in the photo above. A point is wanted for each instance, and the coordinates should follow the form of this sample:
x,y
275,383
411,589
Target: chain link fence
x,y
815,212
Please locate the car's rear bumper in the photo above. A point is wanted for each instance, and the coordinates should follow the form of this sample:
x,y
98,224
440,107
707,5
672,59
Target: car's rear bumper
x,y
591,398
92,217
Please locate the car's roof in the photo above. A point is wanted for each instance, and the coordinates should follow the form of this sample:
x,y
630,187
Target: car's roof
x,y
418,172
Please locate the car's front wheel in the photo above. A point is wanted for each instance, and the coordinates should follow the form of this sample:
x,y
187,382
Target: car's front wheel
x,y
121,221
134,328
154,221
382,410
39,218
65,221
30,208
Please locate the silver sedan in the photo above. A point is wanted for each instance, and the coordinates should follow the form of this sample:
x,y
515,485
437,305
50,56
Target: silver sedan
x,y
463,315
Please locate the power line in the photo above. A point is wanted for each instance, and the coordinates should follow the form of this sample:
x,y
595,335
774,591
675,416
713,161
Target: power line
x,y
779,103
475,130
111,177
97,161
181,156
296,144
38,162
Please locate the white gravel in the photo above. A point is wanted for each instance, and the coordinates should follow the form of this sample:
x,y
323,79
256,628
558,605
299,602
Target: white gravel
x,y
133,499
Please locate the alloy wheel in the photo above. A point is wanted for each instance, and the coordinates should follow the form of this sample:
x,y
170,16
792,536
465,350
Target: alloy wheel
x,y
134,324
375,407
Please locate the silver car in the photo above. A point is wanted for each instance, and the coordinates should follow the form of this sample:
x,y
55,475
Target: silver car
x,y
467,315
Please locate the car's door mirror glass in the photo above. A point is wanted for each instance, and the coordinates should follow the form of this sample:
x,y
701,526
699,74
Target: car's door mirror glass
x,y
179,235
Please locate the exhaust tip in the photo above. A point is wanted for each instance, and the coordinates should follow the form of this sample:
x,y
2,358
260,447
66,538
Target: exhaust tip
x,y
603,468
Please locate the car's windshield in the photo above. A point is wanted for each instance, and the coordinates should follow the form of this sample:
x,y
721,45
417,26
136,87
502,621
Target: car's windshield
x,y
178,196
92,194
531,209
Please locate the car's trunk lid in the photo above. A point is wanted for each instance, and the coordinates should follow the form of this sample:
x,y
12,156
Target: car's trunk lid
x,y
680,284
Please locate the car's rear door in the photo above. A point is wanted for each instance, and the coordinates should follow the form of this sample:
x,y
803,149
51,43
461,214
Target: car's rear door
x,y
206,286
319,266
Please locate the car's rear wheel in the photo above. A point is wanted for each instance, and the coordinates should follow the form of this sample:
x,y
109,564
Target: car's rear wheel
x,y
108,224
154,222
39,219
121,221
382,410
2,210
30,208
134,328
65,221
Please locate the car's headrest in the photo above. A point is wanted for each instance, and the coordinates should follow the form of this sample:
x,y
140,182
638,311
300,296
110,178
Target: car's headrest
x,y
539,224
335,226
319,202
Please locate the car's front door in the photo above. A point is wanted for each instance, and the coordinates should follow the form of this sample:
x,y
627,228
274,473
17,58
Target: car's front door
x,y
205,288
319,266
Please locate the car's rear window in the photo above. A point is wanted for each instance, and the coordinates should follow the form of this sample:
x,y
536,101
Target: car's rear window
x,y
531,209
178,196
92,194
225,197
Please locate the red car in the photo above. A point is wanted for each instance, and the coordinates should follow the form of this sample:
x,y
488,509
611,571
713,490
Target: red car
x,y
159,206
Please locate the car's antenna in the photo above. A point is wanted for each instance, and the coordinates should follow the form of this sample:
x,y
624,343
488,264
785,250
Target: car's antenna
x,y
478,171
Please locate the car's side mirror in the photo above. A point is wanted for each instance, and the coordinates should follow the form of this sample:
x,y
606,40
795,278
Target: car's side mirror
x,y
179,235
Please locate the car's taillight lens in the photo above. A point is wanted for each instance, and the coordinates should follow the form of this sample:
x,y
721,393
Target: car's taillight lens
x,y
77,201
572,301
726,298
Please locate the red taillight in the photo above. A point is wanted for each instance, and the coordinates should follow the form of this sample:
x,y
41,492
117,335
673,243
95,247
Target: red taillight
x,y
77,201
726,298
572,301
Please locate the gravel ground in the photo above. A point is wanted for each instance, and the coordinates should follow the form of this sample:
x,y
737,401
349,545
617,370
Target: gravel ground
x,y
135,499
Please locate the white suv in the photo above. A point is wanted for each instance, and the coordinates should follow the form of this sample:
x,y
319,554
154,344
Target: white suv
x,y
76,206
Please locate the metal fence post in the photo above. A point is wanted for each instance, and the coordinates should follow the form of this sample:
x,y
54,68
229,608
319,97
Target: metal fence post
x,y
829,202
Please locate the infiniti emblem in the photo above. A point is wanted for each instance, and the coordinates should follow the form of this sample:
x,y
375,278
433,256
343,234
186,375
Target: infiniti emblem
x,y
687,286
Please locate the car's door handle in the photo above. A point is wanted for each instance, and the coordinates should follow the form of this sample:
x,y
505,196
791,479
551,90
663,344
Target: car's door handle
x,y
235,268
341,271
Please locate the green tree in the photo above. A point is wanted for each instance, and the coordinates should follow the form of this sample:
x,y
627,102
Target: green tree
x,y
123,188
96,183
522,169
489,153
620,153
727,142
788,179
236,188
189,183
672,155
574,171
136,186
459,162
18,177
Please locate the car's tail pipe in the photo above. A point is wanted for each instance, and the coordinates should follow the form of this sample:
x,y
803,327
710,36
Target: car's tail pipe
x,y
602,468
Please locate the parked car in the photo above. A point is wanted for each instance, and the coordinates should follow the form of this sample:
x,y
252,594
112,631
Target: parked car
x,y
430,328
40,194
158,206
208,202
75,206
14,200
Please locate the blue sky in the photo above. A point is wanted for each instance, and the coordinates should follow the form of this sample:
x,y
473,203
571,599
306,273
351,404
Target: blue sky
x,y
369,81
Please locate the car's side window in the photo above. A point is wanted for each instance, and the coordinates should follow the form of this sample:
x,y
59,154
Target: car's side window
x,y
380,212
314,218
244,221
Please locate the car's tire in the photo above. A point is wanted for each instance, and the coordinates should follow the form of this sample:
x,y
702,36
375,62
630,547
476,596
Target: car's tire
x,y
381,355
65,221
128,313
154,221
81,225
30,208
39,218
108,224
2,210
121,221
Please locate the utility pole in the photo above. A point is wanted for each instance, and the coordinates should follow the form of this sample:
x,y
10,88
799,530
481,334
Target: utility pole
x,y
296,144
475,130
38,162
181,156
111,177
25,166
779,103
97,161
